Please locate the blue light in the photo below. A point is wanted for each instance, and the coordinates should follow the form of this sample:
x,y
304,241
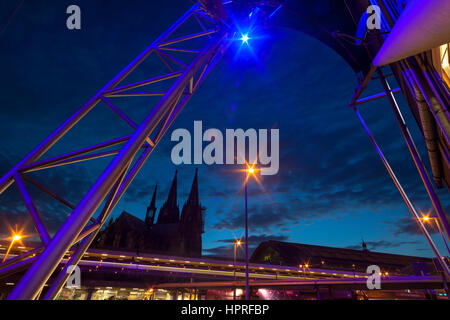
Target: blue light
x,y
245,38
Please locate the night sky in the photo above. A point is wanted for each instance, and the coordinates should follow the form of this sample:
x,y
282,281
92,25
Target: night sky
x,y
331,190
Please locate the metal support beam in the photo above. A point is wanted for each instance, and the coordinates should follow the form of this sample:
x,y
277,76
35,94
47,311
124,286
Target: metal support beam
x,y
362,86
415,156
440,114
59,282
375,97
41,270
38,223
40,150
118,175
404,196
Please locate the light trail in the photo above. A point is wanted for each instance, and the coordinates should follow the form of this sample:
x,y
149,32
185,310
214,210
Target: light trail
x,y
200,266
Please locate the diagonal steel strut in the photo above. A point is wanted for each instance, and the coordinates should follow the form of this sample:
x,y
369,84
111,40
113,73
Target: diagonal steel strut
x,y
126,164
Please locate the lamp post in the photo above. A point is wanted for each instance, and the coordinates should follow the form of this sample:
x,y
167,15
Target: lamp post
x,y
249,172
14,238
427,218
304,267
236,244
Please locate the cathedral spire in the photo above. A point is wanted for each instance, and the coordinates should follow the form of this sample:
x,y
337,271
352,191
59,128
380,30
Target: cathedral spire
x,y
151,210
172,197
170,213
193,195
192,222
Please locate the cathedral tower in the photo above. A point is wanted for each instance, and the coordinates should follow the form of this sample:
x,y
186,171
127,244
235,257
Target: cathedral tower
x,y
151,210
191,227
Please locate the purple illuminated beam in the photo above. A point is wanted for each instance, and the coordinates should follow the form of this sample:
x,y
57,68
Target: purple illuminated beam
x,y
117,194
124,117
189,37
143,83
405,197
49,192
33,281
415,156
38,223
7,179
42,164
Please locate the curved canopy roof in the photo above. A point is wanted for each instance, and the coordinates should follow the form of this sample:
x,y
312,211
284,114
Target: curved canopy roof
x,y
330,21
422,26
333,22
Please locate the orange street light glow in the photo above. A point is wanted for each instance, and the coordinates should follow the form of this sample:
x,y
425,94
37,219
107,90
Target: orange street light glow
x,y
14,238
427,218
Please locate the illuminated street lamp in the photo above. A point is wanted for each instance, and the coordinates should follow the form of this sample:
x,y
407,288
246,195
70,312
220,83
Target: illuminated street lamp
x,y
14,238
237,243
250,171
304,266
148,294
427,218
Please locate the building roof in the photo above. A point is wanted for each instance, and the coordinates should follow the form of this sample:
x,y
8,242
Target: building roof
x,y
293,254
335,23
130,222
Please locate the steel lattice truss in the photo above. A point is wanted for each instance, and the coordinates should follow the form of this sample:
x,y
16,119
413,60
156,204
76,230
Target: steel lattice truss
x,y
130,154
183,76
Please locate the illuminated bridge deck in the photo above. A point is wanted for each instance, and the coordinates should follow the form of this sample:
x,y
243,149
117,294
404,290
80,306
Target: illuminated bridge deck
x,y
118,261
107,268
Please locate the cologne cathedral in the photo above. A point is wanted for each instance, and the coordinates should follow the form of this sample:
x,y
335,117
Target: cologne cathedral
x,y
171,233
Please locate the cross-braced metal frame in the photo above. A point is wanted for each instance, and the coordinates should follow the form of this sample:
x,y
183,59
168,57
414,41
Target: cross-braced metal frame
x,y
441,215
81,225
420,82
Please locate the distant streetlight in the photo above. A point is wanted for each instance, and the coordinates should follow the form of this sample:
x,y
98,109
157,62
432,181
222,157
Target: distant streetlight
x,y
14,238
427,218
304,266
148,294
237,243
